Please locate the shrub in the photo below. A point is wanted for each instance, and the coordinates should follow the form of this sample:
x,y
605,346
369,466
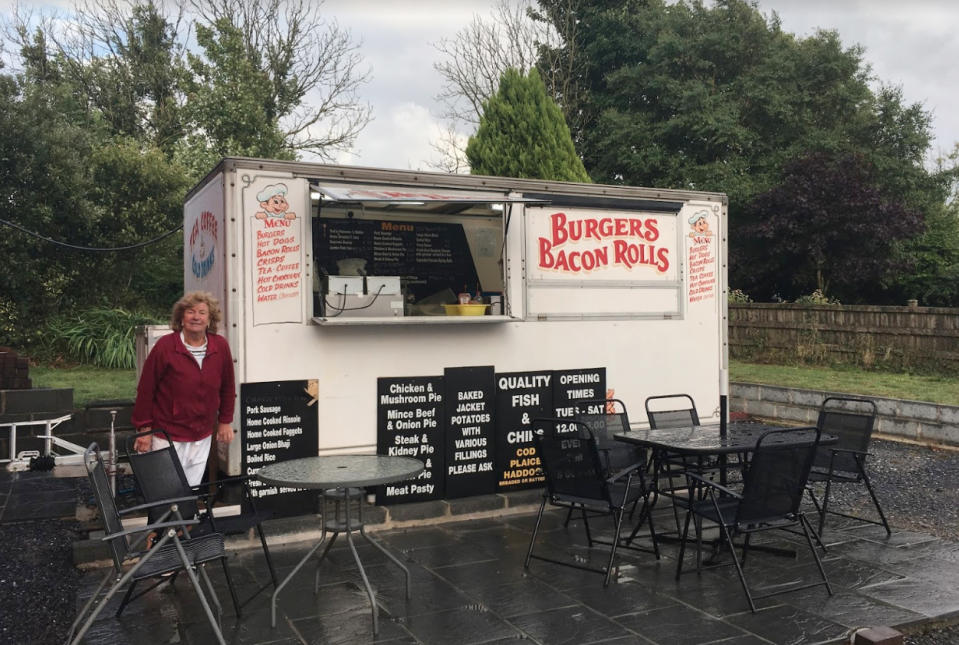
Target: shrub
x,y
817,297
739,296
98,336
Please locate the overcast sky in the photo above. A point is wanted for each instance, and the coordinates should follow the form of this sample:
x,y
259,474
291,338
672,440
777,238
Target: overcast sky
x,y
912,43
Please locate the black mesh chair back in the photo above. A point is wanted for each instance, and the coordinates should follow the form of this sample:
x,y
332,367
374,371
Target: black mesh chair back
x,y
571,462
100,483
671,411
776,479
160,475
605,418
851,420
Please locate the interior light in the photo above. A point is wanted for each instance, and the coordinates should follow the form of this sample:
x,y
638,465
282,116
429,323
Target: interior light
x,y
314,196
496,207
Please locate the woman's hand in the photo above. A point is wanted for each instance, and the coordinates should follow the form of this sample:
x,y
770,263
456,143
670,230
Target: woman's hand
x,y
143,443
224,433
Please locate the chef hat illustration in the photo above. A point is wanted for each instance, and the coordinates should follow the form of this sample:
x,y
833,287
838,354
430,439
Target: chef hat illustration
x,y
270,191
698,215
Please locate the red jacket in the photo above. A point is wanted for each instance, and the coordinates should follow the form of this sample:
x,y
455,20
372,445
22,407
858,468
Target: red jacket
x,y
176,395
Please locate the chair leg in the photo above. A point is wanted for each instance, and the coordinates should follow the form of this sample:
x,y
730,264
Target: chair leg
x,y
807,529
229,583
739,567
569,516
126,598
618,522
872,493
745,547
682,547
266,554
214,623
825,504
532,539
589,535
89,603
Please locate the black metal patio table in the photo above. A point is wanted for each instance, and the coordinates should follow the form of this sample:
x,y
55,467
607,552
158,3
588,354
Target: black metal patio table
x,y
720,440
340,476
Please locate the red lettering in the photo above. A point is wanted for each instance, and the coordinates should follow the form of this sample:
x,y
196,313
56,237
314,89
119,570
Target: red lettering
x,y
558,227
591,225
546,259
652,230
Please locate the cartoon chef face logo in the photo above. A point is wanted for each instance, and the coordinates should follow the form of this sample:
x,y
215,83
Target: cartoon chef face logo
x,y
699,223
273,203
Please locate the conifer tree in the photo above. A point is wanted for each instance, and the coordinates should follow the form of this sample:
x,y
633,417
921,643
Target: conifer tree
x,y
522,134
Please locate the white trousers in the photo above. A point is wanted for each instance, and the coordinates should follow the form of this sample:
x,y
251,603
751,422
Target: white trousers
x,y
193,456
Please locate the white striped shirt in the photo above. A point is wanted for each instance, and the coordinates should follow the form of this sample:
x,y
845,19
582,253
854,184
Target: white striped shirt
x,y
199,353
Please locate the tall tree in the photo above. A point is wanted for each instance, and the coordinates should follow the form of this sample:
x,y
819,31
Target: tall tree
x,y
287,68
522,134
474,60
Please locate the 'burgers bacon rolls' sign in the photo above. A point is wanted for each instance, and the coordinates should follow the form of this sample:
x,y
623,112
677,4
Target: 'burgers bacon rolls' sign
x,y
576,245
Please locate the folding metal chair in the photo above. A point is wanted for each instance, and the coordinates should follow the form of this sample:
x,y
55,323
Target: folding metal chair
x,y
576,478
160,475
770,499
170,554
851,419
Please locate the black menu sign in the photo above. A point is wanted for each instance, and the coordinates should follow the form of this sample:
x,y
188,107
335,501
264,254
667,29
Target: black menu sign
x,y
520,398
571,387
470,442
409,423
430,256
278,422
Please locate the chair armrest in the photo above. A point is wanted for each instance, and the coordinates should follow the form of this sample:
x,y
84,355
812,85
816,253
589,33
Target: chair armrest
x,y
149,527
628,470
714,485
162,502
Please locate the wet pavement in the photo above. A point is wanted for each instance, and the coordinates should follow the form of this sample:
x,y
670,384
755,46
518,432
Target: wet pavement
x,y
469,586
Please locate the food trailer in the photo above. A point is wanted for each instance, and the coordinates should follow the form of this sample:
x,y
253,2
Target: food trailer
x,y
435,315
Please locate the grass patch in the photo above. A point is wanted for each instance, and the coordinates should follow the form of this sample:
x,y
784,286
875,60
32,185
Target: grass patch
x,y
851,380
89,383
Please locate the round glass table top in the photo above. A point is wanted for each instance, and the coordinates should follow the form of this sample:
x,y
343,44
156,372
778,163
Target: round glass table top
x,y
340,471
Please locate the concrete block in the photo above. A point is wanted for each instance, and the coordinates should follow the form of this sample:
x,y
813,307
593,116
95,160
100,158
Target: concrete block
x,y
764,409
949,415
898,428
476,504
887,407
919,411
877,636
938,433
747,391
777,394
418,510
523,497
809,398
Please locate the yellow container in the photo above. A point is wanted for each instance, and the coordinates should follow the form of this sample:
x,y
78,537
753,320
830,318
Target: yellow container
x,y
465,310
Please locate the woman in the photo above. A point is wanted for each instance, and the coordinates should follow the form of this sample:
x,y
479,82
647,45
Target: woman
x,y
187,386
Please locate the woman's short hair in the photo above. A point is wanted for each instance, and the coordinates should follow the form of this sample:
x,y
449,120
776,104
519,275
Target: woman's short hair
x,y
192,299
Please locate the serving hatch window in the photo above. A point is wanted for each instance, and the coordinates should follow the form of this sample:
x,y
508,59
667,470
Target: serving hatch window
x,y
603,258
387,252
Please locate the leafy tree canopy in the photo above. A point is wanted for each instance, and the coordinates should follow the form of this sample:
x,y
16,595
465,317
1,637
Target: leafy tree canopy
x,y
522,134
824,227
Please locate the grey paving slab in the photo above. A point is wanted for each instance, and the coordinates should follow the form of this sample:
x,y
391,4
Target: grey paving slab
x,y
679,624
788,625
574,624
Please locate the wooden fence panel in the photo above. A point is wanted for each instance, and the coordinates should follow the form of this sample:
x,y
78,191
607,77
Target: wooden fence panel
x,y
855,334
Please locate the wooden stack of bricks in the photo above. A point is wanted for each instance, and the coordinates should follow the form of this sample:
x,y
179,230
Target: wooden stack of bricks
x,y
14,371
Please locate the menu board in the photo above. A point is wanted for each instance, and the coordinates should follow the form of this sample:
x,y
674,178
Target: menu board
x,y
409,423
470,440
520,398
570,387
429,256
278,422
